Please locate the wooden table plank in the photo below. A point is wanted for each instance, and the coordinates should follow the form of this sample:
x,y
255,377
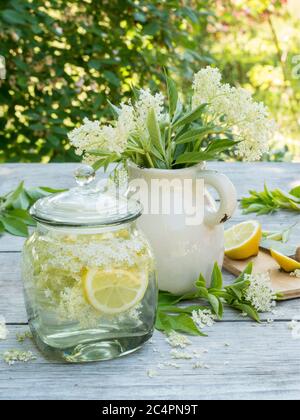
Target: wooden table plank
x,y
259,363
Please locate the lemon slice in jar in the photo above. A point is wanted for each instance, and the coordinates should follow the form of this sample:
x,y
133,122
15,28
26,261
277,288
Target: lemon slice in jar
x,y
114,291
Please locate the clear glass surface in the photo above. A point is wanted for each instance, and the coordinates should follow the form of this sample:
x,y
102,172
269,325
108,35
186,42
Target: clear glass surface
x,y
70,318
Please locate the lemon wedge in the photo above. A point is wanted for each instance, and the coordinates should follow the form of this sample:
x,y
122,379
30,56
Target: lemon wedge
x,y
114,291
242,240
286,263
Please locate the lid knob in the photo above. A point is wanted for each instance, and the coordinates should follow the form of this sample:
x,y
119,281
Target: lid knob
x,y
84,175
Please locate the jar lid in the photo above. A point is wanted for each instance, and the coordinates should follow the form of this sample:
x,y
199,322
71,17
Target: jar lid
x,y
86,205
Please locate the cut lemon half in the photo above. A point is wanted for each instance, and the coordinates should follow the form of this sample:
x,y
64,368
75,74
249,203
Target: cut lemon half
x,y
114,291
286,263
242,240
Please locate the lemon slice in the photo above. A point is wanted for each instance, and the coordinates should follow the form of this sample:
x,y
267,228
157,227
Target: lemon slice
x,y
114,291
242,240
286,263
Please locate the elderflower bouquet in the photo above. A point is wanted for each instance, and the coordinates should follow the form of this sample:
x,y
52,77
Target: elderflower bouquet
x,y
154,132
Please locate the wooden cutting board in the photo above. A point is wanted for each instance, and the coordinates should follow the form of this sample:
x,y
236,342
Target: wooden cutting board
x,y
282,282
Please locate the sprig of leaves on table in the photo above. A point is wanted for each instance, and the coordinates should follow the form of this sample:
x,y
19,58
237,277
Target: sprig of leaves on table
x,y
270,201
175,312
14,209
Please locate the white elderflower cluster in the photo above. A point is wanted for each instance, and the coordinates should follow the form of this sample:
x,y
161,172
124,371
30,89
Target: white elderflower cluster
x,y
176,339
203,318
294,327
12,356
86,137
107,138
295,273
260,292
3,329
177,354
206,86
234,108
113,138
145,103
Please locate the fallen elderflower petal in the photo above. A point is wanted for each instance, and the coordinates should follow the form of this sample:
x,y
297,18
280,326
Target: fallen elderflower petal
x,y
294,327
203,318
3,329
152,373
295,273
178,340
176,354
21,337
13,356
172,364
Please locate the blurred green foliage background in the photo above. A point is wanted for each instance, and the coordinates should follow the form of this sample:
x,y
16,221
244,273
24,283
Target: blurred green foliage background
x,y
65,58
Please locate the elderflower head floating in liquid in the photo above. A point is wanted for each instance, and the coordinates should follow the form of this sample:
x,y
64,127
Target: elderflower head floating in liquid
x,y
235,109
260,292
57,275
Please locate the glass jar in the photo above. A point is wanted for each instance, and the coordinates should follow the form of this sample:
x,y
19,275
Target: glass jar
x,y
89,275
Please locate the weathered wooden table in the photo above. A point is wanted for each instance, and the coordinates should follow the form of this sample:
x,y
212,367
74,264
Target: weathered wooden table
x,y
244,360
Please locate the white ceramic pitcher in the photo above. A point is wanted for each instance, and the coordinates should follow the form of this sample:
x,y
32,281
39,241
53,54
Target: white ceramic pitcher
x,y
183,251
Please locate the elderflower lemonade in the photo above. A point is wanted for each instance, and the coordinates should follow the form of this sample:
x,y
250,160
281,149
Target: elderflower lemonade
x,y
89,275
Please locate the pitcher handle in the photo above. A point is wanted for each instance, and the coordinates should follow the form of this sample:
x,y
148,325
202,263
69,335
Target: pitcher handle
x,y
228,197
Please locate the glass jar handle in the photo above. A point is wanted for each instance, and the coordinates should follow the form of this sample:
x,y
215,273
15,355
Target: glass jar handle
x,y
84,175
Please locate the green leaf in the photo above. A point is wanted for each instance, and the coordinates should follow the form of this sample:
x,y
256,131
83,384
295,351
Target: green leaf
x,y
151,28
22,215
216,278
269,201
13,17
178,111
235,292
216,305
172,95
249,310
166,298
14,226
39,192
190,116
182,323
201,282
193,135
220,145
115,109
181,309
193,157
22,202
111,77
14,195
248,270
163,322
154,131
2,230
296,191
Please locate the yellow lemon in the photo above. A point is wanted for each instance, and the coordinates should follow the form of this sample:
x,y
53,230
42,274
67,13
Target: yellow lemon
x,y
114,291
286,263
242,240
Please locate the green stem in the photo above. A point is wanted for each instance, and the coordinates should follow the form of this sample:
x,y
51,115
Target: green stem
x,y
150,160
